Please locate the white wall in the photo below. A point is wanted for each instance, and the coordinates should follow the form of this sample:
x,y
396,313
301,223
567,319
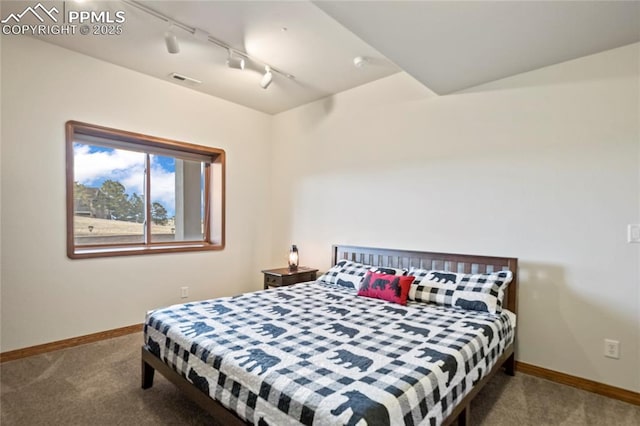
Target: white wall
x,y
45,295
543,166
1,193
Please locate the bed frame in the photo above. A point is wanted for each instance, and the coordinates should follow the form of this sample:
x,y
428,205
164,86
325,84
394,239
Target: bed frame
x,y
376,257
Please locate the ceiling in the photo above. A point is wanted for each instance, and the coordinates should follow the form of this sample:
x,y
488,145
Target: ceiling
x,y
454,45
315,48
446,45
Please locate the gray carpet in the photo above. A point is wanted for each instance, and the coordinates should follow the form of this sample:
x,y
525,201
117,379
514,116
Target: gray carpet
x,y
99,384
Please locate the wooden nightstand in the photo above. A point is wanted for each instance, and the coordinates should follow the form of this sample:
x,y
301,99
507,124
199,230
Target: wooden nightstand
x,y
283,276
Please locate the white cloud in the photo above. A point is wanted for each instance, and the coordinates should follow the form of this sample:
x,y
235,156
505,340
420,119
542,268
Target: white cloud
x,y
126,167
93,167
163,186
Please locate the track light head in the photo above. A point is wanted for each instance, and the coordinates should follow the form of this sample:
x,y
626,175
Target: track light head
x,y
267,78
171,41
236,62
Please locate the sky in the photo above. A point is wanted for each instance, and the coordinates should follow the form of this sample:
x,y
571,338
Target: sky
x,y
93,165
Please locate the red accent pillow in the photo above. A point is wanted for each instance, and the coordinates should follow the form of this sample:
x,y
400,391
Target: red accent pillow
x,y
392,288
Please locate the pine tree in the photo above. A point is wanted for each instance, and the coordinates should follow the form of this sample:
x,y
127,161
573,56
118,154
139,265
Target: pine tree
x,y
159,214
112,199
136,209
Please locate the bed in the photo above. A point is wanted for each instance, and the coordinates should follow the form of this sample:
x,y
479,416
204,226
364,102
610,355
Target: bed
x,y
316,353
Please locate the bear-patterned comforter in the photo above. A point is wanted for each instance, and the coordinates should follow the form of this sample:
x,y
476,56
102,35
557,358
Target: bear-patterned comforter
x,y
317,354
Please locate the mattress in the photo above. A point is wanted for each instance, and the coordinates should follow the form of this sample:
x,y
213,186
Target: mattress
x,y
317,354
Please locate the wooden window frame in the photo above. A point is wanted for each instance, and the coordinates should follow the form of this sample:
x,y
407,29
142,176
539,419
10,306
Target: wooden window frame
x,y
218,157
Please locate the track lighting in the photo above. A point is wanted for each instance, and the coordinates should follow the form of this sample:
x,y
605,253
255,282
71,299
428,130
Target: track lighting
x,y
236,58
236,62
267,78
171,41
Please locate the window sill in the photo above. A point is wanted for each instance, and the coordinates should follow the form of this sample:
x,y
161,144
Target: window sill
x,y
85,253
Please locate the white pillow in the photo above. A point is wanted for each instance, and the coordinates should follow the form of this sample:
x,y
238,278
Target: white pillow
x,y
346,274
477,292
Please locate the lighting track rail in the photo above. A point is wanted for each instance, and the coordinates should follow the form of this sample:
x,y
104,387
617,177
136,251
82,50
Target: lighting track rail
x,y
200,34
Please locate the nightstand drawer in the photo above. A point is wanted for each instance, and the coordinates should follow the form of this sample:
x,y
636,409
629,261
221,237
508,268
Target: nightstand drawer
x,y
304,277
283,276
270,280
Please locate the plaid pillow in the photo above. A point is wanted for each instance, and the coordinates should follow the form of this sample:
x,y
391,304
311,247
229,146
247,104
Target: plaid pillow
x,y
346,274
477,292
389,271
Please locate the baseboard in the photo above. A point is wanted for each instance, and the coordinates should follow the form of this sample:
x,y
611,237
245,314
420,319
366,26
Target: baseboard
x,y
580,383
533,370
68,343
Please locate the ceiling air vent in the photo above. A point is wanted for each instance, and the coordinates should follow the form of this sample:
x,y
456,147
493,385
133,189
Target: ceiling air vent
x,y
184,78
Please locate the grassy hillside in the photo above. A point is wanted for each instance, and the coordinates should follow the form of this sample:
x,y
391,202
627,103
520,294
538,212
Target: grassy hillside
x,y
105,227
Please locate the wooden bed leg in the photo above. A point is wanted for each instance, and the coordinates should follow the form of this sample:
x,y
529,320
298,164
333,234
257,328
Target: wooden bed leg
x,y
510,365
464,419
147,375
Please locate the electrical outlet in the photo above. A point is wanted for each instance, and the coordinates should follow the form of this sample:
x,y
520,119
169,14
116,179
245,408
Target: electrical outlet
x,y
611,348
184,292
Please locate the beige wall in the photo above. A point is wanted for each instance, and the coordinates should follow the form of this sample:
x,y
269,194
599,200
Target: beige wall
x,y
543,166
45,295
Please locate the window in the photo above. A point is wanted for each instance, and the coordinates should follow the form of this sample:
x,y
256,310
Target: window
x,y
130,194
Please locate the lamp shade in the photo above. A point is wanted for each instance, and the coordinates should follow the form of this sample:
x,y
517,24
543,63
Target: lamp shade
x,y
293,258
